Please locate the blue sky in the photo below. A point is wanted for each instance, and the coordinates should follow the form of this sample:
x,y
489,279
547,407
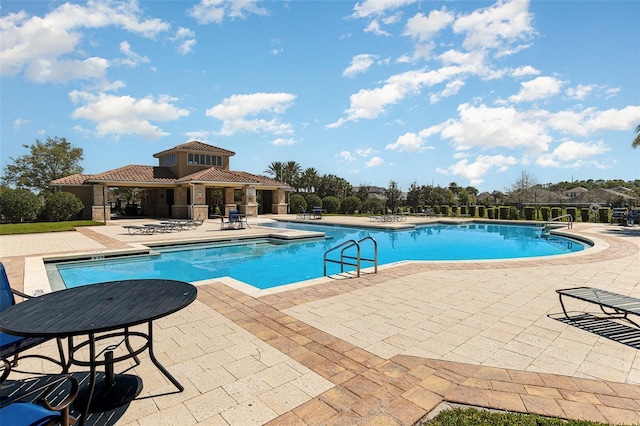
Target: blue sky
x,y
432,92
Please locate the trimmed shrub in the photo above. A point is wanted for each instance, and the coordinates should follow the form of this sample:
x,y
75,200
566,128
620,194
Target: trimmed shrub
x,y
350,204
313,201
491,213
603,215
503,212
545,212
372,205
62,206
585,214
297,203
514,213
529,213
331,204
19,205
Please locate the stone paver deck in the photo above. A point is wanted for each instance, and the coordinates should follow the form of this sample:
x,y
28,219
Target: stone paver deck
x,y
382,349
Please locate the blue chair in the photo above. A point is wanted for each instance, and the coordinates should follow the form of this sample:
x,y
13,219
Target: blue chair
x,y
10,345
18,411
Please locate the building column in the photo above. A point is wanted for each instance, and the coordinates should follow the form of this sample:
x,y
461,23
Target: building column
x,y
100,209
199,209
249,205
229,200
279,205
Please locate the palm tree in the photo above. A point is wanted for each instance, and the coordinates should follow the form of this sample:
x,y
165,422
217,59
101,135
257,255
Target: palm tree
x,y
636,141
309,179
275,169
292,173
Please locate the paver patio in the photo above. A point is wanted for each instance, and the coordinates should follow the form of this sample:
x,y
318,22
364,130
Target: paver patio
x,y
381,349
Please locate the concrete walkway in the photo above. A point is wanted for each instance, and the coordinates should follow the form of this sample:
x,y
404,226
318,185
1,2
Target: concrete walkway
x,y
381,349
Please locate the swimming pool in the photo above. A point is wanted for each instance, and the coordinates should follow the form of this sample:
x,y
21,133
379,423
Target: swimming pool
x,y
266,263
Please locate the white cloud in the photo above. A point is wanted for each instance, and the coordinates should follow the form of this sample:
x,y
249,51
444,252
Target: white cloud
x,y
283,142
371,103
476,170
359,64
347,156
374,162
538,88
504,127
19,122
452,88
580,92
125,115
374,27
185,39
590,120
132,58
208,11
36,44
503,27
234,110
378,7
424,28
525,71
572,154
365,152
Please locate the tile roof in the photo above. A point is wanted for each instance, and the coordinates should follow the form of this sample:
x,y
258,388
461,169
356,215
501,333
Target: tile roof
x,y
196,146
136,174
214,174
77,179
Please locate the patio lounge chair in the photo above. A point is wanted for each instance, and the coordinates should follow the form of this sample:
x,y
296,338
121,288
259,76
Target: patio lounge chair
x,y
13,346
17,410
135,229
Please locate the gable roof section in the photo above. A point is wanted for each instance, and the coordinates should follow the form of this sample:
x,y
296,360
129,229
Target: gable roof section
x,y
196,146
77,179
140,175
214,174
136,173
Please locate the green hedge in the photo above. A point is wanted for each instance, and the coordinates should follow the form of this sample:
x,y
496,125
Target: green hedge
x,y
530,213
545,212
603,215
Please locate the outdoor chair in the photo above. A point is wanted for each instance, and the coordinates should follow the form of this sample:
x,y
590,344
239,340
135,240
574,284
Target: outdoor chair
x,y
13,346
18,409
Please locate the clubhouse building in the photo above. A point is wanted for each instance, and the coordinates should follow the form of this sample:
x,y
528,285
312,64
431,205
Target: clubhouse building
x,y
192,180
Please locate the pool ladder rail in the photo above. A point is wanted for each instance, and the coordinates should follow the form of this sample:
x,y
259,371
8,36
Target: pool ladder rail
x,y
350,260
547,226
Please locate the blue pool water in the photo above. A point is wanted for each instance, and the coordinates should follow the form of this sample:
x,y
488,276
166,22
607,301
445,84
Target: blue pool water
x,y
265,264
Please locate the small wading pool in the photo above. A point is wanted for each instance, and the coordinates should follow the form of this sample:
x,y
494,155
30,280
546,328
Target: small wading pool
x,y
265,263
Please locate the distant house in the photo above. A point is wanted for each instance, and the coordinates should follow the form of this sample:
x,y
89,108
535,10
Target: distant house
x,y
183,185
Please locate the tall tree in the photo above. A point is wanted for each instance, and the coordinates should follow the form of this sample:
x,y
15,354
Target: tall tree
x,y
46,161
523,189
363,193
309,179
394,195
292,174
636,141
275,170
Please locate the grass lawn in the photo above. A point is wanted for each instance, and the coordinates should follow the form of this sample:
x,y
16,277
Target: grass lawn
x,y
473,417
37,227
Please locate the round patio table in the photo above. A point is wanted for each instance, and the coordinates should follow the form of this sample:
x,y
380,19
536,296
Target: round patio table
x,y
109,308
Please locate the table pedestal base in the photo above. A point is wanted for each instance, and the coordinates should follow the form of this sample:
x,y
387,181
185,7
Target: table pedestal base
x,y
125,388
